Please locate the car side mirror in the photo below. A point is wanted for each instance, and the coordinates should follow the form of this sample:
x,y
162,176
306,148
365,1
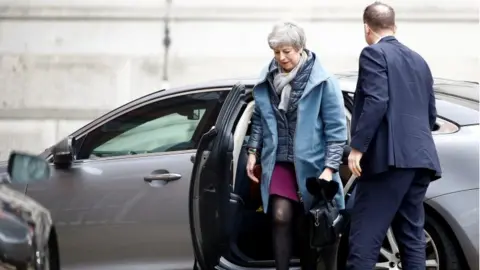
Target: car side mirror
x,y
26,168
63,153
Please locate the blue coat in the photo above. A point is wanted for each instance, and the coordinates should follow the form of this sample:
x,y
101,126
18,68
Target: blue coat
x,y
320,119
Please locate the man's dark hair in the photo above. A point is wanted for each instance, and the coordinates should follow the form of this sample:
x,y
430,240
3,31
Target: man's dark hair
x,y
379,16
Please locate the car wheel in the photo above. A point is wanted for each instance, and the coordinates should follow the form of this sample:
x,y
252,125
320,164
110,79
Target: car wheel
x,y
390,256
448,251
52,259
441,252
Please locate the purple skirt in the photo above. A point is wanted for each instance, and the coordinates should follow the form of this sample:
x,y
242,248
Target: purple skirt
x,y
284,181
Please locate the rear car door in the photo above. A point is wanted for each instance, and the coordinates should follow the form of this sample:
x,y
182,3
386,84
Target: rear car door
x,y
123,202
211,205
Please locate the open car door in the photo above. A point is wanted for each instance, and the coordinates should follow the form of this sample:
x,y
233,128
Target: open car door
x,y
209,197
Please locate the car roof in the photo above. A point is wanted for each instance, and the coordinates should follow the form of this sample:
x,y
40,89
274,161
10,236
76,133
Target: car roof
x,y
457,100
347,81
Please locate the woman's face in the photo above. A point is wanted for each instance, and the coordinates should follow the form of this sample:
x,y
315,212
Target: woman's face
x,y
287,57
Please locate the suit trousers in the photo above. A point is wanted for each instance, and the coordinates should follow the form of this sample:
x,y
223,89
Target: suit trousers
x,y
394,198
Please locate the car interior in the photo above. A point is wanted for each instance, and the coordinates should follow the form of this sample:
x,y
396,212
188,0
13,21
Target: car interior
x,y
251,233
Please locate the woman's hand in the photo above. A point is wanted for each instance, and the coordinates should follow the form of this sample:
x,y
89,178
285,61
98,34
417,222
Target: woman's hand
x,y
252,160
327,174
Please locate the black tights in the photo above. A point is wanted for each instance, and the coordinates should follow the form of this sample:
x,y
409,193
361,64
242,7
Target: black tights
x,y
286,215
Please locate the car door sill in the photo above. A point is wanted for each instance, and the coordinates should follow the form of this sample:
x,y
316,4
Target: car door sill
x,y
226,265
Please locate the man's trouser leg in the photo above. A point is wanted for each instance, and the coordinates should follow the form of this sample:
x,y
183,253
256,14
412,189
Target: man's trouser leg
x,y
377,199
408,224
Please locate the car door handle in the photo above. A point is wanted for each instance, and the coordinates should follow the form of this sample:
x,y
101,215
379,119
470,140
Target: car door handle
x,y
162,177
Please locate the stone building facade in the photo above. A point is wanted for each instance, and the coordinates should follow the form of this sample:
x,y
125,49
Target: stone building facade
x,y
63,63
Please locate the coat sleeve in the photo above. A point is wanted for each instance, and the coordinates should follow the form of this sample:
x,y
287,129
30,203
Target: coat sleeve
x,y
374,86
255,140
332,113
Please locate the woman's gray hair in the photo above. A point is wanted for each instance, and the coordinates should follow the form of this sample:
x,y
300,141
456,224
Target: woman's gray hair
x,y
287,34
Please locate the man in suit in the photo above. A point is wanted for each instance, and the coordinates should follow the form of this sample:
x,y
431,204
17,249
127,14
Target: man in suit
x,y
393,152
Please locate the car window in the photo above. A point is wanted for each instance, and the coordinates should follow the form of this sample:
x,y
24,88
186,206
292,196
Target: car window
x,y
173,124
441,125
147,137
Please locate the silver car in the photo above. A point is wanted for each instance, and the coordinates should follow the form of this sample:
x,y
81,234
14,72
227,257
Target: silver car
x,y
160,183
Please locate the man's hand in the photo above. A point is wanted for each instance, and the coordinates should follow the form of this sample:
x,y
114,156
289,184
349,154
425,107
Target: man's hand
x,y
326,174
354,162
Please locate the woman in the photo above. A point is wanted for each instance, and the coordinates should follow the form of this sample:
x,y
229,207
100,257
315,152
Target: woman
x,y
299,130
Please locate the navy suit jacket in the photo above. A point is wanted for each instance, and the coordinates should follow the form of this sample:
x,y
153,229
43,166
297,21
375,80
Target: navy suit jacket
x,y
394,110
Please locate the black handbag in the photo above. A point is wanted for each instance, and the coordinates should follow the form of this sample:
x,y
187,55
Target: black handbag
x,y
326,222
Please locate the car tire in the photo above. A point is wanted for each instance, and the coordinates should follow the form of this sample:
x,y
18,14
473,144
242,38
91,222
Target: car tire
x,y
448,250
52,255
